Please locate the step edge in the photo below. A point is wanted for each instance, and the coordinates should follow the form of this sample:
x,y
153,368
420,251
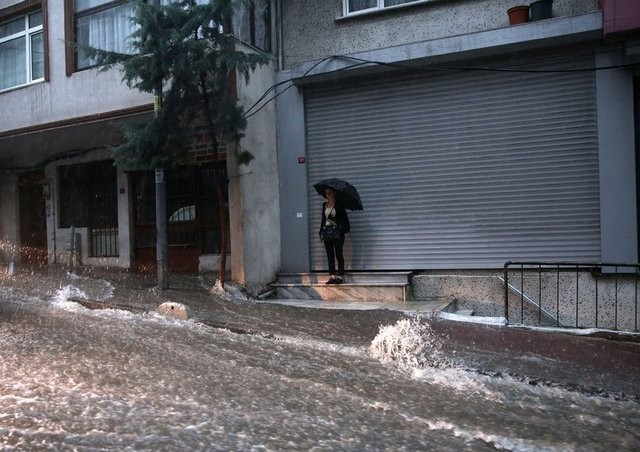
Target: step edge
x,y
382,284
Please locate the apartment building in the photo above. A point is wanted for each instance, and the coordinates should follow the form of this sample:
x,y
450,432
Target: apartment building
x,y
59,114
472,141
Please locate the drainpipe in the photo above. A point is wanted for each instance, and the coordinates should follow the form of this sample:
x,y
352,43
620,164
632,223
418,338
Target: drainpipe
x,y
278,32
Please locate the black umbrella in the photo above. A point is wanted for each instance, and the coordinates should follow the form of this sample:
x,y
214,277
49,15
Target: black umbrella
x,y
347,194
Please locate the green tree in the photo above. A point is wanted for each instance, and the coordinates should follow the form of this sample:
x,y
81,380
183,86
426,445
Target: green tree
x,y
184,53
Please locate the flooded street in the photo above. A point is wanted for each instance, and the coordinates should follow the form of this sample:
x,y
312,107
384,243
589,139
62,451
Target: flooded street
x,y
78,379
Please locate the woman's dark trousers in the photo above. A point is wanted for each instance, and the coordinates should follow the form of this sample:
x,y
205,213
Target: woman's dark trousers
x,y
334,252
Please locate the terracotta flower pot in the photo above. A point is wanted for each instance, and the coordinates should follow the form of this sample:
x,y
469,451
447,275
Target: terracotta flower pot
x,y
542,9
518,14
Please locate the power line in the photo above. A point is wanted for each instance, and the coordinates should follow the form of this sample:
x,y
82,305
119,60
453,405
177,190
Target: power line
x,y
363,62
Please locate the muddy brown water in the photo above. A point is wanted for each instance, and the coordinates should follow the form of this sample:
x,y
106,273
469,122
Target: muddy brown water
x,y
244,375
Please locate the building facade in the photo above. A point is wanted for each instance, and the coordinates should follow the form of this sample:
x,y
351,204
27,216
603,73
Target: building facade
x,y
59,116
472,141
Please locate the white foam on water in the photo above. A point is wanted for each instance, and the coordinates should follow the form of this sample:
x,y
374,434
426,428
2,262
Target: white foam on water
x,y
62,298
472,436
500,442
228,292
412,347
101,289
410,344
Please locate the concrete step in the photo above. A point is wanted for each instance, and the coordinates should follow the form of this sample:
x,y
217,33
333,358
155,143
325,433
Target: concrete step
x,y
349,278
359,286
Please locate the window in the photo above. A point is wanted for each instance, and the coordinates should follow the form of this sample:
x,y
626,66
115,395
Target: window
x,y
102,24
21,50
252,24
107,25
87,194
356,6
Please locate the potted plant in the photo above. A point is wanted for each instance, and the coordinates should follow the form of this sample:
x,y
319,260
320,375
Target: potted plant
x,y
541,9
518,14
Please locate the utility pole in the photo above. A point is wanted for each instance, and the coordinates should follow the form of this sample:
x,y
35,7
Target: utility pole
x,y
161,229
161,193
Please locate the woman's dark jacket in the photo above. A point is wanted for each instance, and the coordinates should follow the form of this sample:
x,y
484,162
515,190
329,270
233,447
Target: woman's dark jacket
x,y
341,218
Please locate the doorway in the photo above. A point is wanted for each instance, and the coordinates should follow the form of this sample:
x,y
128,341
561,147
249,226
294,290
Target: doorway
x,y
192,218
32,213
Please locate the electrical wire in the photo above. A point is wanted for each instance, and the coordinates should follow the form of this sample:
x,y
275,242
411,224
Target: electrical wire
x,y
513,69
247,114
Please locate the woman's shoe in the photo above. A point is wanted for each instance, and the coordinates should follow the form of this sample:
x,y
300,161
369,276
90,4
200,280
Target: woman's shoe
x,y
338,280
332,280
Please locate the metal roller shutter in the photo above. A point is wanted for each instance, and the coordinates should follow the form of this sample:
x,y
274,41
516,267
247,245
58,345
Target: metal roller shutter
x,y
459,170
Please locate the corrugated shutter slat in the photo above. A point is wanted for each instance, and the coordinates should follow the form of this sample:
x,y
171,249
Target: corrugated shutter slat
x,y
460,170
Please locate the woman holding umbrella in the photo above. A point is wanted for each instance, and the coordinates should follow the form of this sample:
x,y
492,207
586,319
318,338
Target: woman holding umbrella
x,y
333,227
340,195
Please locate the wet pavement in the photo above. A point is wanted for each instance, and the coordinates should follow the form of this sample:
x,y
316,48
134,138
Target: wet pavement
x,y
607,367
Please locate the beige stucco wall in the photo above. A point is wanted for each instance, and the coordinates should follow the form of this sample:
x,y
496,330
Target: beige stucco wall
x,y
253,191
93,91
313,29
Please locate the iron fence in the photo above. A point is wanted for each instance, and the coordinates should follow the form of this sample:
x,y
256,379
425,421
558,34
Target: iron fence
x,y
572,295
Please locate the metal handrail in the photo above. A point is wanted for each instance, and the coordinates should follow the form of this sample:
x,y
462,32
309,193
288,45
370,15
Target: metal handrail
x,y
618,279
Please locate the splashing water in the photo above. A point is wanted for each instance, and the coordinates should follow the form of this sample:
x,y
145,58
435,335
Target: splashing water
x,y
110,380
413,347
93,288
63,296
410,344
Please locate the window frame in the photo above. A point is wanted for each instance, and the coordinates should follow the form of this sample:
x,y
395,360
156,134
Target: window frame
x,y
379,7
22,11
71,20
71,17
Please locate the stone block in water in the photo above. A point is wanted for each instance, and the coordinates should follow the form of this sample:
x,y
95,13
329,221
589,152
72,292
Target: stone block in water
x,y
175,310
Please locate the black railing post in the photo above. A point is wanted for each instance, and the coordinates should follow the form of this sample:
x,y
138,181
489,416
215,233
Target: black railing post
x,y
577,293
635,324
522,293
558,296
597,280
539,294
616,303
506,291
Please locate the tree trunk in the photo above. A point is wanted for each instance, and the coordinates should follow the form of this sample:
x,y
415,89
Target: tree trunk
x,y
219,180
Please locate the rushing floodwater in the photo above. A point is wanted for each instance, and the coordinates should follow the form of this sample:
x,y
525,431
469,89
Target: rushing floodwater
x,y
75,379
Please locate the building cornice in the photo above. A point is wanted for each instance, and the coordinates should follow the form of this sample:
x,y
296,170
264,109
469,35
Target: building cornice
x,y
19,8
563,30
98,117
